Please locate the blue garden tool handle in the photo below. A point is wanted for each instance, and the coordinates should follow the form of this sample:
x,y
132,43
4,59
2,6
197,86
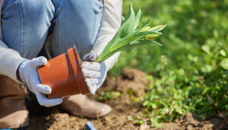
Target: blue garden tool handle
x,y
89,126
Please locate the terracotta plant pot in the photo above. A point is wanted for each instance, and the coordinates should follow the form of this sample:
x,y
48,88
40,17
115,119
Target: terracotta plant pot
x,y
64,75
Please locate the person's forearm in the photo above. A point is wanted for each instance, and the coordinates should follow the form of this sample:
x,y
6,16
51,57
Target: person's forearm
x,y
9,59
110,25
112,60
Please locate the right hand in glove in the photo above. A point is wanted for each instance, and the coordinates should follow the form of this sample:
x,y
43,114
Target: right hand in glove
x,y
28,74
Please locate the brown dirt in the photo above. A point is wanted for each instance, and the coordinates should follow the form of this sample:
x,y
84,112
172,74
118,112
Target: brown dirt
x,y
131,85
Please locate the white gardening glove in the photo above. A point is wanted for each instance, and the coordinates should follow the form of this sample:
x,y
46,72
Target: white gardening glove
x,y
95,73
28,74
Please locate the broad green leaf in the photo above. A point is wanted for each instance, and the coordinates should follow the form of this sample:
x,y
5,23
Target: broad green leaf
x,y
224,63
140,122
146,102
137,17
179,110
223,53
206,48
128,25
128,15
122,20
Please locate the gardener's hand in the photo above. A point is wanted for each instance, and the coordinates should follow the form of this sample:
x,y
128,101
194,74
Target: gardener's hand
x,y
28,74
94,72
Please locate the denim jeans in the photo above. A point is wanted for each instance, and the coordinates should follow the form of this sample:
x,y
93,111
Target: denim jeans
x,y
27,23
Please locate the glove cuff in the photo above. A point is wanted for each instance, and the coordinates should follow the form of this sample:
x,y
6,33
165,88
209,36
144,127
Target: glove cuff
x,y
19,70
111,60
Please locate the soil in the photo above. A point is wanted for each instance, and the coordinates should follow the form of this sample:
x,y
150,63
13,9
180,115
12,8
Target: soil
x,y
131,85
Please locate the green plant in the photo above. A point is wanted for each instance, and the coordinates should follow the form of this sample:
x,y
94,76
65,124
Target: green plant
x,y
108,95
136,119
130,36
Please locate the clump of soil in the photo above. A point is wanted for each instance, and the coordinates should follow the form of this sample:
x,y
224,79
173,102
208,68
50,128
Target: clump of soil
x,y
189,122
132,79
131,84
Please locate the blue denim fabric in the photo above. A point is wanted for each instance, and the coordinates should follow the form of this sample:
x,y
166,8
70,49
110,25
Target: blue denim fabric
x,y
26,24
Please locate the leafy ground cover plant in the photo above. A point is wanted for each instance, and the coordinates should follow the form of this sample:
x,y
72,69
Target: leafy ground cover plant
x,y
130,36
189,73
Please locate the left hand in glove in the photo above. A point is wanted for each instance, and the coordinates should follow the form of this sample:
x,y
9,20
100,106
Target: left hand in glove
x,y
95,73
28,73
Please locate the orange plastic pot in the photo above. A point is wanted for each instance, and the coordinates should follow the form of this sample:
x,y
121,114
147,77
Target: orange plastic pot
x,y
64,75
